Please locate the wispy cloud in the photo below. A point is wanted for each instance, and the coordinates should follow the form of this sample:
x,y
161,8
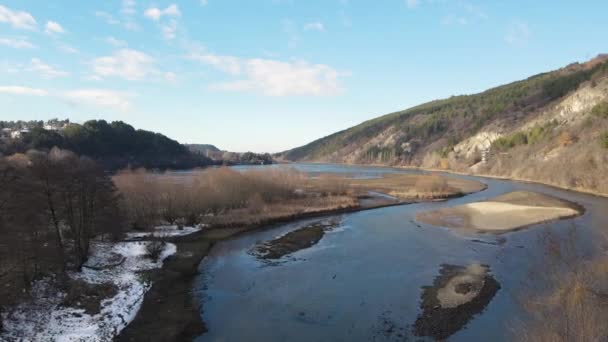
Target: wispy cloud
x,y
100,97
17,19
273,77
156,13
464,14
45,70
68,49
314,26
128,64
53,27
107,17
411,3
17,43
19,90
168,27
128,11
290,30
115,42
518,34
228,64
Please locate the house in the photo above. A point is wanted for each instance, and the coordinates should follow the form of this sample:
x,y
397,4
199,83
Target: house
x,y
21,133
54,126
5,132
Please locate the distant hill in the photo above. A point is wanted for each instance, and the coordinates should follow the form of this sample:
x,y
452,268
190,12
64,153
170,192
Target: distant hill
x,y
231,158
204,149
114,145
526,129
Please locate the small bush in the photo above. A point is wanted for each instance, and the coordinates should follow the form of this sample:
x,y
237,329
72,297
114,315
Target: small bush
x,y
566,138
605,140
154,248
600,110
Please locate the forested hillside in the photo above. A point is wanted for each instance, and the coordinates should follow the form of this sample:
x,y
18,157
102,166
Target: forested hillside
x,y
517,130
114,145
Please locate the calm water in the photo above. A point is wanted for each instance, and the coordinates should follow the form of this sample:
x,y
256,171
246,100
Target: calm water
x,y
370,271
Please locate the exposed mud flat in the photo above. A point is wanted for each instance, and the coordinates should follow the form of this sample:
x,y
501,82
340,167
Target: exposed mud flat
x,y
456,296
507,212
294,241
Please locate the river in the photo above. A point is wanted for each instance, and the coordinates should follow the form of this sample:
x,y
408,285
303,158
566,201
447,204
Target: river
x,y
363,280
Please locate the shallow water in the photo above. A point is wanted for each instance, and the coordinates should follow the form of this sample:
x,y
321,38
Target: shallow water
x,y
367,274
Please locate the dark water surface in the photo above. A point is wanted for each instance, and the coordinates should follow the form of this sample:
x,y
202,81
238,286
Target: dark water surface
x,y
362,281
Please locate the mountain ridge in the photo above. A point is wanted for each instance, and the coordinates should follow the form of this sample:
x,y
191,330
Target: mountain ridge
x,y
548,115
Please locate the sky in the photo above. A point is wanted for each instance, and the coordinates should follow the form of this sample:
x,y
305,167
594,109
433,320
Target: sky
x,y
269,75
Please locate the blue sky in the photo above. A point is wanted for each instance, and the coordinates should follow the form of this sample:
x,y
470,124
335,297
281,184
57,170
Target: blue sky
x,y
268,75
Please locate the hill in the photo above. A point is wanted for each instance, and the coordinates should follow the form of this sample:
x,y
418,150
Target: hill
x,y
114,145
525,129
231,158
204,149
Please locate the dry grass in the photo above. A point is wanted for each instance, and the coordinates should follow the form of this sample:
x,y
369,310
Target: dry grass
x,y
223,196
575,306
417,186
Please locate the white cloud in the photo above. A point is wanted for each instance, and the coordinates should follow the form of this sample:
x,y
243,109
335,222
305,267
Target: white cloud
x,y
17,19
518,34
155,13
53,27
19,90
16,43
45,70
204,2
116,42
100,97
411,3
125,63
228,64
273,78
314,26
168,28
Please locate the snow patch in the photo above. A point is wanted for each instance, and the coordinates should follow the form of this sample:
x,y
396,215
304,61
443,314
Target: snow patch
x,y
165,231
43,319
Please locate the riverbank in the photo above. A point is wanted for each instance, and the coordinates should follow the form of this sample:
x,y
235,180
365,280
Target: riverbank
x,y
170,312
480,175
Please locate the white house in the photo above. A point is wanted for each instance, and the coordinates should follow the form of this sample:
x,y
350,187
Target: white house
x,y
20,133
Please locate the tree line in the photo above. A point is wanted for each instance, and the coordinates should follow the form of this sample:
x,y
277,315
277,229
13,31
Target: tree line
x,y
114,145
52,205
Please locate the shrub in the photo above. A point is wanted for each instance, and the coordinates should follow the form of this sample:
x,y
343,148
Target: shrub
x,y
566,138
600,110
605,140
154,248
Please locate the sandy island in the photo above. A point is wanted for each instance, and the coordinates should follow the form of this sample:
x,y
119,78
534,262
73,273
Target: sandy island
x,y
503,213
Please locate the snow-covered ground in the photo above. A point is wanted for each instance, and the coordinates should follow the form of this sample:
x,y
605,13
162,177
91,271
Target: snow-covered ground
x,y
165,231
43,319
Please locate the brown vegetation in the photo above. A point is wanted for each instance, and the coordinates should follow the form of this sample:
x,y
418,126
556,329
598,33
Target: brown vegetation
x,y
51,206
575,305
225,197
222,197
418,186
